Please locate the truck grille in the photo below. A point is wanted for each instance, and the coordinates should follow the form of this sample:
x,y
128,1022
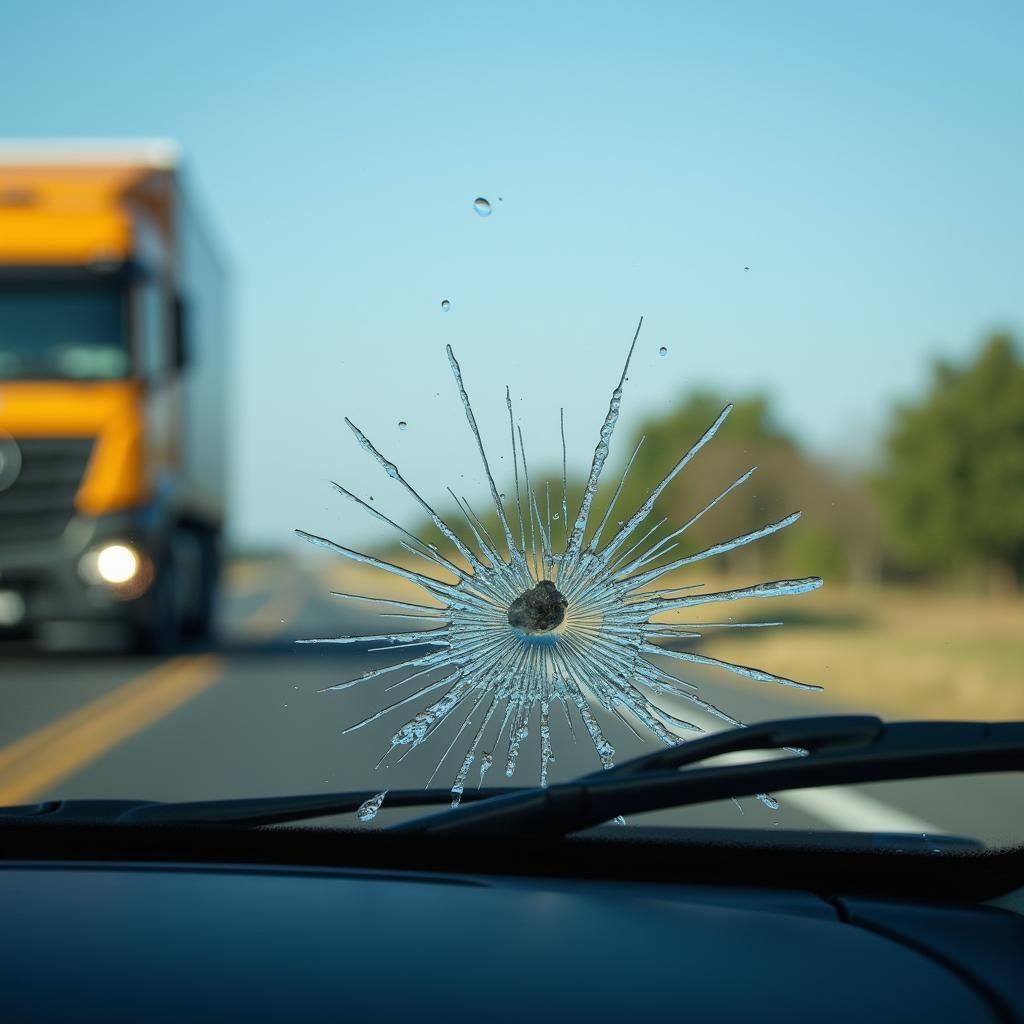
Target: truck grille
x,y
39,504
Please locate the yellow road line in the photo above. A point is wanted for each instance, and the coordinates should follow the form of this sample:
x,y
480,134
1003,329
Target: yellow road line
x,y
31,765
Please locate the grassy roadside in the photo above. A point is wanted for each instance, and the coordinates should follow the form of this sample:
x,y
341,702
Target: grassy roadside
x,y
905,651
926,653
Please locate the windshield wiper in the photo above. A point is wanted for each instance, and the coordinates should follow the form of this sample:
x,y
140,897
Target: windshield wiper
x,y
247,811
837,750
275,810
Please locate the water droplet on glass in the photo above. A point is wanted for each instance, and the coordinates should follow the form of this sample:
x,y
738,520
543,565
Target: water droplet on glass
x,y
445,305
482,206
368,808
618,820
502,496
769,801
662,351
402,425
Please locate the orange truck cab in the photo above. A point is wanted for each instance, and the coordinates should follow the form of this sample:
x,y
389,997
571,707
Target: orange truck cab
x,y
112,375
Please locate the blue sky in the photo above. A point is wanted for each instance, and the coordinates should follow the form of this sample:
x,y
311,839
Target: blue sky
x,y
863,160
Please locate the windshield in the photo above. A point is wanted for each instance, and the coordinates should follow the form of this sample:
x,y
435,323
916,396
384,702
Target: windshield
x,y
62,331
399,270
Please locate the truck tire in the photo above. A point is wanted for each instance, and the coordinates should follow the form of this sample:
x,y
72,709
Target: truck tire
x,y
159,628
200,620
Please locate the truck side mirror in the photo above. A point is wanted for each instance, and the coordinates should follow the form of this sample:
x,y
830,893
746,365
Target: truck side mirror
x,y
179,334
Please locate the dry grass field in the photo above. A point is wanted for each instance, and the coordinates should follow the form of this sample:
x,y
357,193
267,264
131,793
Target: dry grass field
x,y
925,653
895,650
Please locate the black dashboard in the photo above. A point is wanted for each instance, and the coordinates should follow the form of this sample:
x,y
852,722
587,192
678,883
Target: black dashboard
x,y
182,941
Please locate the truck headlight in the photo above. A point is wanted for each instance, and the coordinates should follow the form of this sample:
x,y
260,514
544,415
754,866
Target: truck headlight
x,y
117,563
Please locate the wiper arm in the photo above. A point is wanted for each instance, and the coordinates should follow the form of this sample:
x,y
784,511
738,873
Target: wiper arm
x,y
796,735
275,810
840,750
253,811
247,812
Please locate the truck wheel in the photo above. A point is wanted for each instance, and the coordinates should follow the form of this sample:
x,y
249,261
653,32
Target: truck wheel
x,y
199,622
159,629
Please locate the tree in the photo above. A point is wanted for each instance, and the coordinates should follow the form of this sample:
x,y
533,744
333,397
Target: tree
x,y
837,535
952,488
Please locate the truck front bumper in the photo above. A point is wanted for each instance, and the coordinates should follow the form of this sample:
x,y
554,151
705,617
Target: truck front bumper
x,y
50,582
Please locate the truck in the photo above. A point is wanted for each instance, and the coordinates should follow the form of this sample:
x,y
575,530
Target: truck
x,y
113,353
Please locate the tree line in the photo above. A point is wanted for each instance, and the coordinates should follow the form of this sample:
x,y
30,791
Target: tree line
x,y
943,501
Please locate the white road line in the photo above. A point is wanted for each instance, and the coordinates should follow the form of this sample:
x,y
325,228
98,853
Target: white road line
x,y
853,811
840,806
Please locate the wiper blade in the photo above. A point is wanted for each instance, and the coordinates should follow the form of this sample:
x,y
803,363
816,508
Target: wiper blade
x,y
248,812
838,750
796,735
275,810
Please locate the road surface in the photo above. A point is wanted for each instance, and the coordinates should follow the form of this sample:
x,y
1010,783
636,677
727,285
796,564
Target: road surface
x,y
248,718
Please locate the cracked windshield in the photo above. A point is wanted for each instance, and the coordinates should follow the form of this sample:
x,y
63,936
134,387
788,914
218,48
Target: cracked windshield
x,y
396,398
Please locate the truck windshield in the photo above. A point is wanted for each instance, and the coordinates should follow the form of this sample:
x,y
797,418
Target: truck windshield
x,y
62,330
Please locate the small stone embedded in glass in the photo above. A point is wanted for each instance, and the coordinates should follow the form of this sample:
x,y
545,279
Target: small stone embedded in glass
x,y
538,610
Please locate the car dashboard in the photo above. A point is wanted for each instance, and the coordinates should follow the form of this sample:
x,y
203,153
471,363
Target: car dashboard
x,y
183,941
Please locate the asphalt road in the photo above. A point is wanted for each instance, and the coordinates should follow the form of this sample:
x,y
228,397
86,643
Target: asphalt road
x,y
248,718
